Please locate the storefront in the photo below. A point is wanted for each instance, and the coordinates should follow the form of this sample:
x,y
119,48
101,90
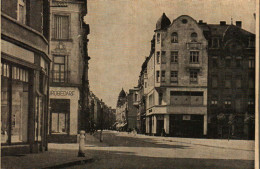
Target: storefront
x,y
64,109
24,101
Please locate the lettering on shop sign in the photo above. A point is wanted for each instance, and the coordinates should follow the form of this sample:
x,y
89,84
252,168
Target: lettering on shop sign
x,y
62,93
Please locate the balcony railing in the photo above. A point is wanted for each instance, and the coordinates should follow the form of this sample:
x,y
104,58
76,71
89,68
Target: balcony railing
x,y
60,76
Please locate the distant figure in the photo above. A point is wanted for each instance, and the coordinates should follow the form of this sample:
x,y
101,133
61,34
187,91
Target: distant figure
x,y
163,132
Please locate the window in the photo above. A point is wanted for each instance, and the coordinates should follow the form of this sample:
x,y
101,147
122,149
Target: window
x,y
59,68
163,57
214,81
136,97
160,98
238,105
145,84
61,27
184,21
163,76
174,37
194,57
174,56
251,103
251,83
214,101
158,37
215,62
227,102
215,43
238,62
21,11
251,63
174,76
238,82
157,76
186,98
228,81
158,57
251,42
194,37
193,76
228,62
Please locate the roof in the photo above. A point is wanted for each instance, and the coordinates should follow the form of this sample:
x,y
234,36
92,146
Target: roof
x,y
163,22
122,93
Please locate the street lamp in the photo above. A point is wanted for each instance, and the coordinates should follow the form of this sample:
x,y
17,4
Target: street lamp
x,y
101,122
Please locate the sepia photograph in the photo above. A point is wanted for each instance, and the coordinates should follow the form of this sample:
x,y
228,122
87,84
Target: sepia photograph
x,y
129,84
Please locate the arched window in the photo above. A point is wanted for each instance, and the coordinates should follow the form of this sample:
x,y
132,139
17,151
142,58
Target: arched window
x,y
174,38
158,37
194,37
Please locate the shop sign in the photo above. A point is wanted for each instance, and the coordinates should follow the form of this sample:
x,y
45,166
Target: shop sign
x,y
62,93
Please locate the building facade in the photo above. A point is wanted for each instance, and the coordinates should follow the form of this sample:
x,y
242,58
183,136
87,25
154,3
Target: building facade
x,y
177,74
133,101
25,67
231,88
68,51
121,111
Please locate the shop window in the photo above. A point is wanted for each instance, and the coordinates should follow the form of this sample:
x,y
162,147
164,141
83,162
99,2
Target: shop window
x,y
14,124
174,37
21,11
163,57
59,73
61,27
194,57
194,37
163,76
158,57
174,56
174,76
193,76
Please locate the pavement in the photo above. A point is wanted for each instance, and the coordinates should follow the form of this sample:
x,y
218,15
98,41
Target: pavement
x,y
135,151
57,156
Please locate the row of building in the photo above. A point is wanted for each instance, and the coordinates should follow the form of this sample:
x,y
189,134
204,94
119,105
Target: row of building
x,y
45,95
198,81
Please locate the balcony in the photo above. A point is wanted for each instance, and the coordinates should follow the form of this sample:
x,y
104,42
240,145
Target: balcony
x,y
60,77
194,45
187,109
157,110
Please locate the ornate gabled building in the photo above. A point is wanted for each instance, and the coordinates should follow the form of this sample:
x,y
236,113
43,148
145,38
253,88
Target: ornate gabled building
x,y
177,74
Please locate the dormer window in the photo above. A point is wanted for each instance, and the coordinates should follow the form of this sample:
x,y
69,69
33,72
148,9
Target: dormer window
x,y
158,37
174,37
21,11
194,37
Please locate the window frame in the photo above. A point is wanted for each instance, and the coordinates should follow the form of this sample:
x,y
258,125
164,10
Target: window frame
x,y
194,57
174,37
194,38
174,75
21,3
193,79
163,72
61,14
174,56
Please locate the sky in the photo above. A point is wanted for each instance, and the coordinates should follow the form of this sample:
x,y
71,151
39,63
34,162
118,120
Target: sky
x,y
121,31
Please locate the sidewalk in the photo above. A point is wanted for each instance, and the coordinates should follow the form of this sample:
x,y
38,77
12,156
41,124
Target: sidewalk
x,y
58,156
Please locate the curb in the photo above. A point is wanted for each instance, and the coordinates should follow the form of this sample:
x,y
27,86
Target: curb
x,y
69,164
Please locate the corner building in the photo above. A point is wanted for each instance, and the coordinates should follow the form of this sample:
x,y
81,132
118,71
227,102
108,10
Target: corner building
x,y
177,74
67,50
25,67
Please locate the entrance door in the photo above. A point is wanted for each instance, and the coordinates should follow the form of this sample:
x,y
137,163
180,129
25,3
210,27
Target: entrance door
x,y
186,125
159,127
60,110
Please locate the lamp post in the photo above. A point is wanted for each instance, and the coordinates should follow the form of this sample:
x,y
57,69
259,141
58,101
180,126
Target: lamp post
x,y
101,121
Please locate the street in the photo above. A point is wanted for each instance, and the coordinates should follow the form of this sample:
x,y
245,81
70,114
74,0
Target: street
x,y
123,150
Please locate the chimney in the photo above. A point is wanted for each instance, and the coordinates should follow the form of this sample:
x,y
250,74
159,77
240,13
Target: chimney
x,y
239,24
200,21
222,23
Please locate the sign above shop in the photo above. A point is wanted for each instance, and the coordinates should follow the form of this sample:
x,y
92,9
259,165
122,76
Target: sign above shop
x,y
62,93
